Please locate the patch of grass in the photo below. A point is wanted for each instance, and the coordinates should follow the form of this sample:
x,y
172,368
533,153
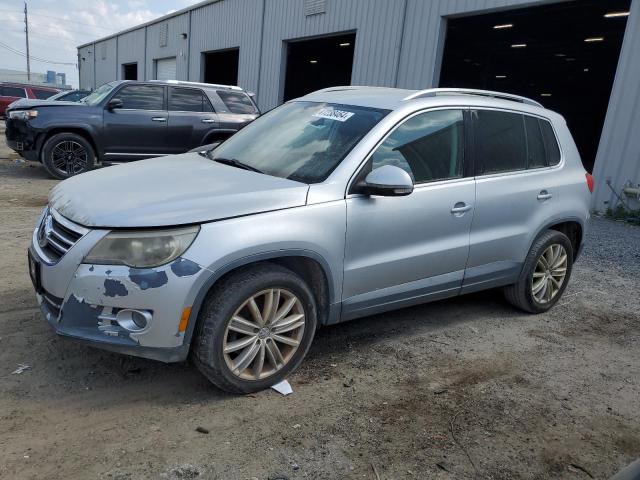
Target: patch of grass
x,y
625,214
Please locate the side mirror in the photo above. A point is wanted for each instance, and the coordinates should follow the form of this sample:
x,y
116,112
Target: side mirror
x,y
387,181
114,103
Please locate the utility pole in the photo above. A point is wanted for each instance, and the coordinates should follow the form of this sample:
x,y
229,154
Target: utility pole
x,y
26,31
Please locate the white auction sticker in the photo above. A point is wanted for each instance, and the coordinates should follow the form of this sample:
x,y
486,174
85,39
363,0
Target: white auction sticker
x,y
332,114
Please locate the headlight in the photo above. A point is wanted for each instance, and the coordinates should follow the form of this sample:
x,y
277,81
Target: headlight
x,y
23,114
143,248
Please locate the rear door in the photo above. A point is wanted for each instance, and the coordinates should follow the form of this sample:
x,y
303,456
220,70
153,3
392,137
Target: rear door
x,y
191,118
139,128
516,188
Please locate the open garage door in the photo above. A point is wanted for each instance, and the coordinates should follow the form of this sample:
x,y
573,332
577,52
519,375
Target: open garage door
x,y
318,63
221,66
564,55
166,69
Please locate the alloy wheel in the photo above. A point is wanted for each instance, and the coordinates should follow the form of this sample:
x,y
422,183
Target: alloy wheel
x,y
549,274
264,333
69,158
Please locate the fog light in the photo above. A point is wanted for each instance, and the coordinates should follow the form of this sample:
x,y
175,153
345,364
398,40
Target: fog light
x,y
133,320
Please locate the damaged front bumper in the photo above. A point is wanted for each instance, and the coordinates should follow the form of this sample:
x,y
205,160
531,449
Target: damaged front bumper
x,y
127,310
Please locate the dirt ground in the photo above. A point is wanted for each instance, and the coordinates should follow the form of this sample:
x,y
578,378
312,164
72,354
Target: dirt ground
x,y
459,389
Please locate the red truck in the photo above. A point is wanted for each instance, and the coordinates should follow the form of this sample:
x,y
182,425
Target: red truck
x,y
10,92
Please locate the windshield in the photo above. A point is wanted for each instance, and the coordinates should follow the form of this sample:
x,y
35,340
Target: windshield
x,y
95,97
302,141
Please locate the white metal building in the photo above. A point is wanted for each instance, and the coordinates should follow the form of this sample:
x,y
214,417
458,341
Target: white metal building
x,y
579,57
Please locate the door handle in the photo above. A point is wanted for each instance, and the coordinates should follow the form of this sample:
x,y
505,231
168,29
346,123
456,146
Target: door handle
x,y
208,120
460,208
158,119
544,195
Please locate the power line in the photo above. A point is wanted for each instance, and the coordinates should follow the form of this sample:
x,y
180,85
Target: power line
x,y
61,19
32,57
87,34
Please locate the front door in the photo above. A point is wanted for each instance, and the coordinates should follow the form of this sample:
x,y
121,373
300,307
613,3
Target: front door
x,y
406,250
139,128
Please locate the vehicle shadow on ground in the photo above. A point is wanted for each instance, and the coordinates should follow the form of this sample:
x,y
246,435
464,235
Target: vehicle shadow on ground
x,y
91,373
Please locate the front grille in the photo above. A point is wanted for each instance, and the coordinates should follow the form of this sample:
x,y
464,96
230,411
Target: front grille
x,y
56,235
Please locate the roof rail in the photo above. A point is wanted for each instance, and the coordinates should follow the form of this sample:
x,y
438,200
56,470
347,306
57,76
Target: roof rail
x,y
198,84
433,92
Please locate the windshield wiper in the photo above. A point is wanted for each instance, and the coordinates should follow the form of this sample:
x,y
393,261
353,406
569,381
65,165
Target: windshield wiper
x,y
236,163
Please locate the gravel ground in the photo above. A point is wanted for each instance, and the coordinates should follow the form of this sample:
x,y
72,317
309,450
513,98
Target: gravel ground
x,y
467,388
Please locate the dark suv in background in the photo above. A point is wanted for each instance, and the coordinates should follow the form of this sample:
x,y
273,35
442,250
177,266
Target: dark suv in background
x,y
126,120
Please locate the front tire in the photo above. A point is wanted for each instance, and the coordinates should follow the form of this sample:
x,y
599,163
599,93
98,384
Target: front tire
x,y
67,154
545,274
255,328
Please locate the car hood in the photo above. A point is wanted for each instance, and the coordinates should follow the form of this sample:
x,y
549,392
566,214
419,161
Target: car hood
x,y
34,103
173,190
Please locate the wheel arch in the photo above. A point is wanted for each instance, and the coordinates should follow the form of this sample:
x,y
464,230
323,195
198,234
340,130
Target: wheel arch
x,y
572,227
219,135
83,132
309,265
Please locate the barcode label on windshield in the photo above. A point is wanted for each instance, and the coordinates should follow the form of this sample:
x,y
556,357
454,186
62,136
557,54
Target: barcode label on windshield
x,y
332,114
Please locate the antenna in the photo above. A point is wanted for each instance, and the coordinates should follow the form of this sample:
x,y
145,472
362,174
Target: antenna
x,y
26,31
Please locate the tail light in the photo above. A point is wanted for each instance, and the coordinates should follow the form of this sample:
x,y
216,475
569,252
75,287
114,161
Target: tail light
x,y
589,181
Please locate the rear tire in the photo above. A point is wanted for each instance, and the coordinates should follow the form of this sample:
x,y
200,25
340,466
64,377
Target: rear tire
x,y
67,154
241,343
545,274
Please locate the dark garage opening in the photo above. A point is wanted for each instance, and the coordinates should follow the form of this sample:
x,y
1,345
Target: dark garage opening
x,y
318,63
130,71
221,66
563,55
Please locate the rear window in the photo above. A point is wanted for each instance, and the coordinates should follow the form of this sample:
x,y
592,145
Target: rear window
x,y
237,102
189,100
536,153
550,143
13,92
42,94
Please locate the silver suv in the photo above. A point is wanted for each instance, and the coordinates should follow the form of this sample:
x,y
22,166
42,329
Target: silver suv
x,y
344,203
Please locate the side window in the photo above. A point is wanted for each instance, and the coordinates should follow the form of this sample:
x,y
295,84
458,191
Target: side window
x,y
236,102
13,92
141,97
189,100
428,146
42,94
550,143
500,141
536,154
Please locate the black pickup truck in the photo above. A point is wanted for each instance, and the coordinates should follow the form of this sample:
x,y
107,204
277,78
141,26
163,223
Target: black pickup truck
x,y
126,120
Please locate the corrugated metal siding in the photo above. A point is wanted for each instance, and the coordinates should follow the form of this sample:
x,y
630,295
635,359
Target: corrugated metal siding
x,y
378,26
86,66
228,24
618,157
131,49
105,67
177,46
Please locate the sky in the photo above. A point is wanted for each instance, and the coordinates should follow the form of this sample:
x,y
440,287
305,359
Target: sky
x,y
57,27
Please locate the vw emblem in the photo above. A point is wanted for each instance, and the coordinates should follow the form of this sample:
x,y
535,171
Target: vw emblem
x,y
45,231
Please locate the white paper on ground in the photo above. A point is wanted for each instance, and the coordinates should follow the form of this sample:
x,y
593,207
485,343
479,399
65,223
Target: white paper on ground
x,y
284,387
